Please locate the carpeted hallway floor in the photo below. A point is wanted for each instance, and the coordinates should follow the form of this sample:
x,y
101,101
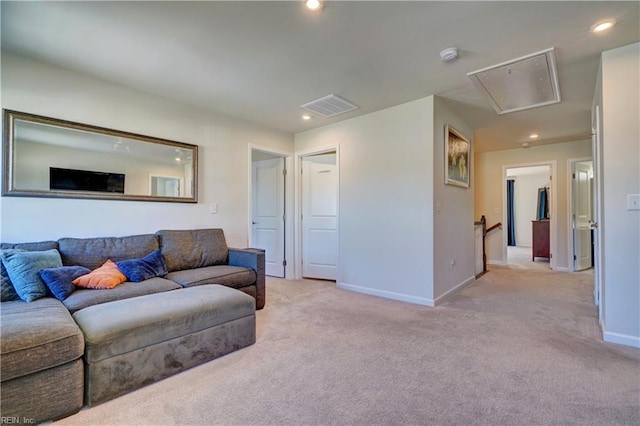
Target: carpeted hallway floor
x,y
516,347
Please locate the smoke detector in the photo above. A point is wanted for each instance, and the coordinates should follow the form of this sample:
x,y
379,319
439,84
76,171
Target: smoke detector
x,y
449,54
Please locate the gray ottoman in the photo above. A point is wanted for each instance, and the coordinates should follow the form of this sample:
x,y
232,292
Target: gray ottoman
x,y
134,342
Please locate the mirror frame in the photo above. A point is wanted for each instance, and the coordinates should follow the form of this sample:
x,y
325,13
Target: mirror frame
x,y
8,166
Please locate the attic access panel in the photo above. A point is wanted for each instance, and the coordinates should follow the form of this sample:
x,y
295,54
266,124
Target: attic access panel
x,y
329,106
527,82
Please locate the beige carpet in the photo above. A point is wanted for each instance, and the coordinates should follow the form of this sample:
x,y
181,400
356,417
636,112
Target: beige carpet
x,y
515,348
520,257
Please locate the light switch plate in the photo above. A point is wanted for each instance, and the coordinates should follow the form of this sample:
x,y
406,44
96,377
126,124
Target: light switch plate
x,y
633,201
213,208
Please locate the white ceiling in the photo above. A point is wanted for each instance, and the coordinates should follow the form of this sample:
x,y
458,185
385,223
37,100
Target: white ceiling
x,y
259,61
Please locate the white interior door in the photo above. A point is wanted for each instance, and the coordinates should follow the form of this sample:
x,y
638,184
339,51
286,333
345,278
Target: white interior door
x,y
268,213
582,216
319,216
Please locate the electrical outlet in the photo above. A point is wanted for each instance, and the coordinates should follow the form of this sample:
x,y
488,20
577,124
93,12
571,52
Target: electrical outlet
x,y
213,208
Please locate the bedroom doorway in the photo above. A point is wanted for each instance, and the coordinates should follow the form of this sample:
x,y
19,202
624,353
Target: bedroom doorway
x,y
529,216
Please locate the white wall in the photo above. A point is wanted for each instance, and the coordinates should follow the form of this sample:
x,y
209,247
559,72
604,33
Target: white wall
x,y
391,171
386,199
453,223
38,88
489,197
619,93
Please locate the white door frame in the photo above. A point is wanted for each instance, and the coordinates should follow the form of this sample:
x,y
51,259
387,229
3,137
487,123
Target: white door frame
x,y
596,152
571,163
289,270
298,205
553,209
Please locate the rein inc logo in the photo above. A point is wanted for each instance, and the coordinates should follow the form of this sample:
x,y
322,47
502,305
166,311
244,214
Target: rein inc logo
x,y
16,420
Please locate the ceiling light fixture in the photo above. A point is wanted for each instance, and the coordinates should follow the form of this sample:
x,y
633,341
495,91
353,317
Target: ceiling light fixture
x,y
526,144
313,4
306,117
533,136
604,25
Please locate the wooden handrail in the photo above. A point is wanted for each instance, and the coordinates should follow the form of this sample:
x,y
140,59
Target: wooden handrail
x,y
485,231
497,225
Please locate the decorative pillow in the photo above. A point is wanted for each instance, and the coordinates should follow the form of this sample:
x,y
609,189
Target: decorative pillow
x,y
7,291
136,270
59,280
24,269
106,276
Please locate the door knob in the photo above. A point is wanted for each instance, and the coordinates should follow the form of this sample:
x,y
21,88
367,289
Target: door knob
x,y
593,225
253,223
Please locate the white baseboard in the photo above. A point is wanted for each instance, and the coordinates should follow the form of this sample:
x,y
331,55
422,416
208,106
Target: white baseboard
x,y
496,262
460,286
387,294
562,269
621,339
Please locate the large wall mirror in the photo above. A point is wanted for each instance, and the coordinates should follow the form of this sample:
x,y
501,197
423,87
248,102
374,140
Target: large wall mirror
x,y
47,157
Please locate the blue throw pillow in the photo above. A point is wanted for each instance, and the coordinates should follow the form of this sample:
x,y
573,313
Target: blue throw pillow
x,y
136,270
59,280
7,291
24,271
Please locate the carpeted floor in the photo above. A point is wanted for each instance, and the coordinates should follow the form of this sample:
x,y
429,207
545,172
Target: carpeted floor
x,y
514,348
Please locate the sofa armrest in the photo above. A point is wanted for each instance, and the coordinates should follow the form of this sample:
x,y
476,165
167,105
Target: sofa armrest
x,y
254,259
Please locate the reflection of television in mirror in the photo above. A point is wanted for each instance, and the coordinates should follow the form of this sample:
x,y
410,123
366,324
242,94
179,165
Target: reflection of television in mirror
x,y
84,180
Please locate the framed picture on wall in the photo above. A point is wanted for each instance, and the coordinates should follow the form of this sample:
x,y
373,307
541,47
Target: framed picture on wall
x,y
457,158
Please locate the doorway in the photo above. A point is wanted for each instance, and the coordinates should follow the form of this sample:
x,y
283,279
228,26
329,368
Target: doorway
x,y
529,216
268,206
581,247
318,218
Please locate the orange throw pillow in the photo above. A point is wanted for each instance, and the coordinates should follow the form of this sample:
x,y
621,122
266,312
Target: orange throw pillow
x,y
106,276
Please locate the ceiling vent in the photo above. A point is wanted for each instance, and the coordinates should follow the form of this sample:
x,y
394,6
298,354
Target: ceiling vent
x,y
329,106
523,83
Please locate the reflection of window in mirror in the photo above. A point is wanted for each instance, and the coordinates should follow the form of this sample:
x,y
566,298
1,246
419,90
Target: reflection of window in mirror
x,y
166,186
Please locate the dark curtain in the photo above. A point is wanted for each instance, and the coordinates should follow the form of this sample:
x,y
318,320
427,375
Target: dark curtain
x,y
543,204
511,222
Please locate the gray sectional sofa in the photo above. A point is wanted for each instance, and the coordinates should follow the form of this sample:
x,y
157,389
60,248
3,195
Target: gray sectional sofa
x,y
96,344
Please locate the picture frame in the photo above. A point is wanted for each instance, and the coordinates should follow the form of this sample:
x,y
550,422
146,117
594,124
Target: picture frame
x,y
457,164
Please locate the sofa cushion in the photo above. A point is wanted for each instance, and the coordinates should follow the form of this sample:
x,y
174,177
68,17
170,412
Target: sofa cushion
x,y
190,249
136,270
83,298
230,276
127,325
37,336
24,269
93,252
35,246
60,280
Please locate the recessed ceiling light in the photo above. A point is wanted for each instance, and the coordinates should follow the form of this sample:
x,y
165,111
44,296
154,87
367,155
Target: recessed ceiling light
x,y
604,25
526,144
306,117
313,4
533,136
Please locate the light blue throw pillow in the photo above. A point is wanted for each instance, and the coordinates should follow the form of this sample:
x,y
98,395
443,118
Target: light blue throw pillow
x,y
24,269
